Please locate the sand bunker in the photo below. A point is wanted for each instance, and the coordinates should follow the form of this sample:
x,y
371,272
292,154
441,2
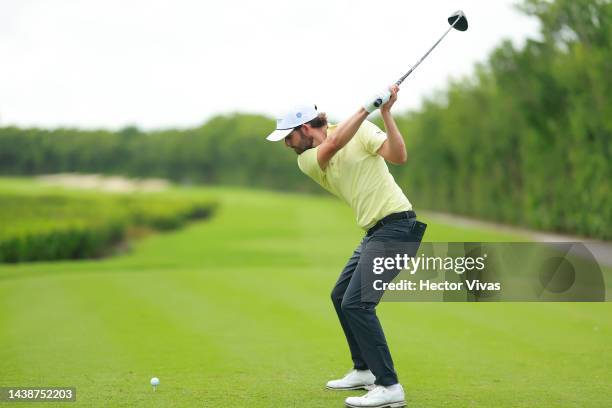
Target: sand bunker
x,y
117,184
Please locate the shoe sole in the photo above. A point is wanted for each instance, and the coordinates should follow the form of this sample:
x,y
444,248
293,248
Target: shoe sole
x,y
398,404
357,387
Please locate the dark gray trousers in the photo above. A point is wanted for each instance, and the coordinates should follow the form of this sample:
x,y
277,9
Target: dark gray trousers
x,y
361,326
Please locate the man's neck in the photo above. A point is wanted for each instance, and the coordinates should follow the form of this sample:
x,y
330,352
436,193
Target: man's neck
x,y
319,137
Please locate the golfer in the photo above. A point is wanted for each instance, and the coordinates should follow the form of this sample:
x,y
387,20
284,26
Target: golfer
x,y
348,160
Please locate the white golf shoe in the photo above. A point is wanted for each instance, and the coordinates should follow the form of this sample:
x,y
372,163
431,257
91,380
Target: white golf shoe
x,y
354,380
379,397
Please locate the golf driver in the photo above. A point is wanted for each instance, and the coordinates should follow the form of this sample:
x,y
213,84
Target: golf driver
x,y
458,21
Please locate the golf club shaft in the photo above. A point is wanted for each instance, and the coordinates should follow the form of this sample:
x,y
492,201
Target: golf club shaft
x,y
399,82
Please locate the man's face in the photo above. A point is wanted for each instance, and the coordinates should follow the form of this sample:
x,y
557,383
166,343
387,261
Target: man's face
x,y
299,141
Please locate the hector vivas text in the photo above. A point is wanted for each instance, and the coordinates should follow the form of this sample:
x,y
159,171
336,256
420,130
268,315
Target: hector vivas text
x,y
459,265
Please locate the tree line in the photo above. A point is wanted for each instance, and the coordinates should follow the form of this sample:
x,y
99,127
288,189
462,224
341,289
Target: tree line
x,y
523,140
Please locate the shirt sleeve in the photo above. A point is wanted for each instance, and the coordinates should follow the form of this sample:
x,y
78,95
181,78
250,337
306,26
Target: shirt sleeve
x,y
371,137
309,165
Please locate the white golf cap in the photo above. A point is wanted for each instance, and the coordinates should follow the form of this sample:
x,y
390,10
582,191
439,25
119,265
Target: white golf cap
x,y
292,119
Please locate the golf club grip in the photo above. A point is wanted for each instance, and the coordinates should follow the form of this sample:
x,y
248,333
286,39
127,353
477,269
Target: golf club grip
x,y
399,81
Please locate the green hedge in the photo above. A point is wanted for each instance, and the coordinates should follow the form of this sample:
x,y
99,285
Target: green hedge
x,y
72,226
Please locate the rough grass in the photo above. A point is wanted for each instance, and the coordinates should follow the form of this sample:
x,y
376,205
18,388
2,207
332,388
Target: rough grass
x,y
50,224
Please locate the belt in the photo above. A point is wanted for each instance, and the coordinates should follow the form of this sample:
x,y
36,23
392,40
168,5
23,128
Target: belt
x,y
392,217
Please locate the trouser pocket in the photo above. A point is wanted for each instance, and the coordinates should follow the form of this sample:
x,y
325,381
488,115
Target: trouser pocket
x,y
418,230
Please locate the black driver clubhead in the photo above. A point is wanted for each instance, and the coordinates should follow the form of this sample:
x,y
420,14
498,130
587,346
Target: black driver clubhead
x,y
462,24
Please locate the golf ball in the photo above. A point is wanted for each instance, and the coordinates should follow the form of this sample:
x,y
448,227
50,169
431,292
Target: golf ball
x,y
154,381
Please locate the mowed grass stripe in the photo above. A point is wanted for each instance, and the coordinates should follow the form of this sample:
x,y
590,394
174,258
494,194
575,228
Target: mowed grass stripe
x,y
236,312
480,345
236,333
52,335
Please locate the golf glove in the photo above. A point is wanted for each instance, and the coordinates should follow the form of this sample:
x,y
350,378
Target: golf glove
x,y
377,101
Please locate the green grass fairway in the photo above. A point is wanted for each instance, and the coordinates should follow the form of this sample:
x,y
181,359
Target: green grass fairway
x,y
235,312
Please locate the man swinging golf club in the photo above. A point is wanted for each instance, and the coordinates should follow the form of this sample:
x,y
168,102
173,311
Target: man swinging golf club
x,y
348,160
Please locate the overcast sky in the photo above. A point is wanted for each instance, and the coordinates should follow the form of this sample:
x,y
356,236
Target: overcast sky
x,y
167,63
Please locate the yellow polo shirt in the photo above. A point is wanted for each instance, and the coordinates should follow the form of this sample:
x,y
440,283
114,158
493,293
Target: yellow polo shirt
x,y
359,176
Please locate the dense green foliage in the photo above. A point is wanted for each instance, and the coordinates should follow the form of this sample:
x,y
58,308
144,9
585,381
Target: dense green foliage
x,y
225,150
525,140
69,225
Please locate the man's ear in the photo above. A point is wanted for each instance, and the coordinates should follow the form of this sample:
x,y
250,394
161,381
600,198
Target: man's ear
x,y
306,129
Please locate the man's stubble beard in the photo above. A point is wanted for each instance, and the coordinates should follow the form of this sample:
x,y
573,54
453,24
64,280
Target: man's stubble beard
x,y
306,143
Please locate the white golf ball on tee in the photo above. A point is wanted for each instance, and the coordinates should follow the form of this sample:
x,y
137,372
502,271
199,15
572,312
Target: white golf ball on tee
x,y
154,382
